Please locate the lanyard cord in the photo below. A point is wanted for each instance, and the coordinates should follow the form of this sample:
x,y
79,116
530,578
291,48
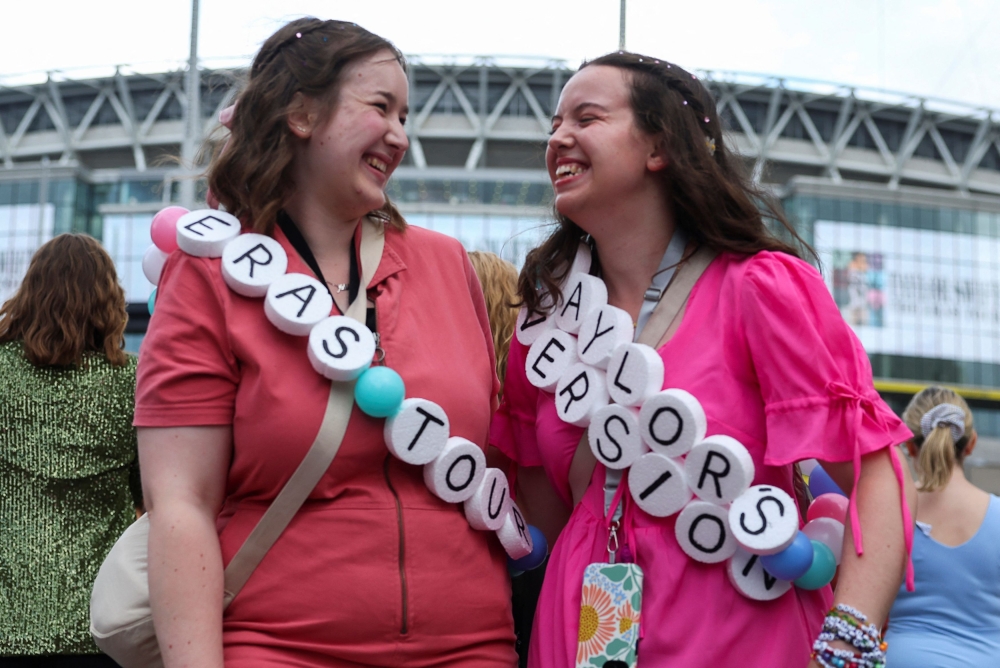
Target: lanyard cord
x,y
301,246
655,292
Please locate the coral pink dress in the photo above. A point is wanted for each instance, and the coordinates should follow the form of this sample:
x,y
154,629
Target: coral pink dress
x,y
764,349
373,570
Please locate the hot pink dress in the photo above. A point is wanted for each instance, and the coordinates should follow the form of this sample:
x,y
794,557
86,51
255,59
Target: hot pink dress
x,y
766,352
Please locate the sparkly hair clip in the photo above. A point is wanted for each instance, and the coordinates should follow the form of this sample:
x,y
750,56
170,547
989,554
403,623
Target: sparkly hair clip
x,y
710,143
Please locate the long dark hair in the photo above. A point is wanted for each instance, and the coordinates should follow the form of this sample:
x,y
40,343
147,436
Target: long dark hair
x,y
69,303
252,174
714,201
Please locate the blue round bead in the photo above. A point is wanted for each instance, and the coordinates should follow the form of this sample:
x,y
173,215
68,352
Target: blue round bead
x,y
820,482
152,301
379,392
539,550
824,566
793,561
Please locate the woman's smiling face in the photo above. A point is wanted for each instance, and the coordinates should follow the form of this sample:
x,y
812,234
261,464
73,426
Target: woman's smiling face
x,y
352,153
596,154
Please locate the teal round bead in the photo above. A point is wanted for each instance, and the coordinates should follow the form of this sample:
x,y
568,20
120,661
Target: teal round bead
x,y
379,392
822,570
152,301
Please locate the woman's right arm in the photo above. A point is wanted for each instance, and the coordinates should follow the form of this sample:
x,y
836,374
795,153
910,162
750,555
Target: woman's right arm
x,y
184,473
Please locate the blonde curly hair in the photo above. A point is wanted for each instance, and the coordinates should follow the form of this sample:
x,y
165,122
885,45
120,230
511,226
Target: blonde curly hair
x,y
499,281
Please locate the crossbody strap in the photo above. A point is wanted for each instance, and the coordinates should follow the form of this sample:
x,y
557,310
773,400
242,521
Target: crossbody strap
x,y
654,334
321,452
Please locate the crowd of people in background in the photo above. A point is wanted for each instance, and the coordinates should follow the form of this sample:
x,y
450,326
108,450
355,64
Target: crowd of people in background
x,y
377,568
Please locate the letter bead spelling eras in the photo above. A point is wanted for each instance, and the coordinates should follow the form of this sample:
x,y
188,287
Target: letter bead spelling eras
x,y
342,349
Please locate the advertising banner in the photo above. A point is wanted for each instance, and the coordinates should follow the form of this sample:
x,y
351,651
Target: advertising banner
x,y
914,292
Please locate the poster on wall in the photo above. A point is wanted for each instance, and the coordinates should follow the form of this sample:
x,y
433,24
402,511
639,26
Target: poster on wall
x,y
23,229
918,293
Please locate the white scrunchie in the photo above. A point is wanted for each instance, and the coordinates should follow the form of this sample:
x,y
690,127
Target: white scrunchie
x,y
944,414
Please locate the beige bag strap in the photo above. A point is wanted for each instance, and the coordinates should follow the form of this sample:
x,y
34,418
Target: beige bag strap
x,y
654,334
321,452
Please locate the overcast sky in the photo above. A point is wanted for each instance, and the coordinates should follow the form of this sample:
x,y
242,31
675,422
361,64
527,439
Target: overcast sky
x,y
938,48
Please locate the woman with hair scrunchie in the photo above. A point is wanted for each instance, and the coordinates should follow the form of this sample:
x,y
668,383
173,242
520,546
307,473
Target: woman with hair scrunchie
x,y
69,477
952,620
640,164
373,569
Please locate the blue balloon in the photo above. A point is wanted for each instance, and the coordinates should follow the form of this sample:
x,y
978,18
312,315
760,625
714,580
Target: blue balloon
x,y
820,482
792,562
379,392
824,567
539,550
152,301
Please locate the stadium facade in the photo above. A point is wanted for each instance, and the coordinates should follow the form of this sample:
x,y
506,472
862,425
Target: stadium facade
x,y
899,195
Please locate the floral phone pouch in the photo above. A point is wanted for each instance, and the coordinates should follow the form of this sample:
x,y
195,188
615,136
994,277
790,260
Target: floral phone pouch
x,y
610,610
609,616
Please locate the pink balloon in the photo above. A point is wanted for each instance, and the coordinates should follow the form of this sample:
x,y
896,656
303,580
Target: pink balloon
x,y
164,228
833,506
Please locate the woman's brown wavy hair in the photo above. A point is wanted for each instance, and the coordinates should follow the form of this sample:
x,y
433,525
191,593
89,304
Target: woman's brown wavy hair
x,y
251,174
498,279
69,303
714,201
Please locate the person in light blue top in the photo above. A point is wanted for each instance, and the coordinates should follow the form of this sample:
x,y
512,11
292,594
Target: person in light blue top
x,y
953,616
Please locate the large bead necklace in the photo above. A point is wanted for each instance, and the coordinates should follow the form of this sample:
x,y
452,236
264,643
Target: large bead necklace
x,y
582,351
342,348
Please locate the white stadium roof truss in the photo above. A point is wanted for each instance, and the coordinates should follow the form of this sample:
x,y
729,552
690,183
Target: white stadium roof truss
x,y
818,129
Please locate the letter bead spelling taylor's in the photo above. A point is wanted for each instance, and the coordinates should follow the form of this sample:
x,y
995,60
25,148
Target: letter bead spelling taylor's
x,y
659,437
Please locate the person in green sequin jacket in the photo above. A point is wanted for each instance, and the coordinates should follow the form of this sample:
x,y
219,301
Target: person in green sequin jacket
x,y
69,483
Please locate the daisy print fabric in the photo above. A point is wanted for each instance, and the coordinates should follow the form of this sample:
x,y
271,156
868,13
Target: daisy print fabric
x,y
609,616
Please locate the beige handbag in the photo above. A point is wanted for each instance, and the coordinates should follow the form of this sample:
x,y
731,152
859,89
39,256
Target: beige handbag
x,y
120,617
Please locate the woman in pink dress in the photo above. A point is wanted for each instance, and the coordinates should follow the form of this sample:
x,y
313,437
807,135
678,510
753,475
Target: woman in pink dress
x,y
636,156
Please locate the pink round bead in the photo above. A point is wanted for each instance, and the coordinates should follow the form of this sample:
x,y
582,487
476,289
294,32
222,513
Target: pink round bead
x,y
164,228
833,506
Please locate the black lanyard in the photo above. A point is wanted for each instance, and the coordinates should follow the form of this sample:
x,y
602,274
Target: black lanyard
x,y
300,245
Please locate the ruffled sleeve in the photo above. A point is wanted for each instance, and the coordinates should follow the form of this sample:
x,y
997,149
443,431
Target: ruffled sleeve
x,y
815,378
513,426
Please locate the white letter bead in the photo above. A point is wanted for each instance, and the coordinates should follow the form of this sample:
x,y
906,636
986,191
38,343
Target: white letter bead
x,y
602,332
635,373
340,348
703,533
152,264
582,294
750,579
672,422
614,436
455,474
581,392
295,303
658,485
514,534
417,433
205,232
828,531
764,519
488,506
549,357
719,469
251,262
530,326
